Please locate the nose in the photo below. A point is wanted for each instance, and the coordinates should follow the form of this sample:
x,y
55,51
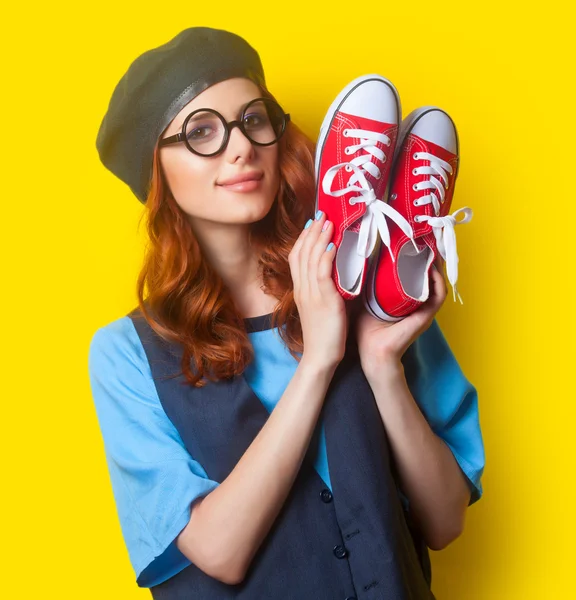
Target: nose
x,y
238,145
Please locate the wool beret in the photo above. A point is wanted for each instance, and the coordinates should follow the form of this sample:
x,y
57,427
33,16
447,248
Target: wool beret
x,y
157,85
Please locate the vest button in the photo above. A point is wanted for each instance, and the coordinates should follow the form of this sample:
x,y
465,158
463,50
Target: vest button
x,y
326,495
340,551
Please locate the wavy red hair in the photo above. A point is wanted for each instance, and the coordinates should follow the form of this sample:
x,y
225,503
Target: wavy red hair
x,y
187,302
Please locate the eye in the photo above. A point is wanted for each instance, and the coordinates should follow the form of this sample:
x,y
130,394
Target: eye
x,y
255,120
199,133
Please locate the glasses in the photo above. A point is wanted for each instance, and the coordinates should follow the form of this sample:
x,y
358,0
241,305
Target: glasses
x,y
206,132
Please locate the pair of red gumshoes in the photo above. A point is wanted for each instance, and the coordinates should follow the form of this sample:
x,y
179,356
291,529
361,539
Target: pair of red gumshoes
x,y
377,178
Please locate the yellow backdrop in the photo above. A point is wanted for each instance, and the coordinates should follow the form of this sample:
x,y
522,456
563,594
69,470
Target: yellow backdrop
x,y
72,250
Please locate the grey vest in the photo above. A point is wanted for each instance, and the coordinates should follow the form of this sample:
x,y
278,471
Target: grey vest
x,y
355,542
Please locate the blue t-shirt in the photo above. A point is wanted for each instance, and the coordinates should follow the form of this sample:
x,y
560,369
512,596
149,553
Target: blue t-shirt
x,y
155,480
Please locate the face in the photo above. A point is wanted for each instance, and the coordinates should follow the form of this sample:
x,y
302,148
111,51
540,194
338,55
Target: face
x,y
198,183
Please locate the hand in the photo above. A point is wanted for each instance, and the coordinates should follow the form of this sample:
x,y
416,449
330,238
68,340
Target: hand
x,y
383,341
321,308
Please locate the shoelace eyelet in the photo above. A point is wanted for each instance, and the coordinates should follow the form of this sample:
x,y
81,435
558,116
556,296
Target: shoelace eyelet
x,y
393,196
346,150
415,187
345,132
415,156
414,172
416,203
348,168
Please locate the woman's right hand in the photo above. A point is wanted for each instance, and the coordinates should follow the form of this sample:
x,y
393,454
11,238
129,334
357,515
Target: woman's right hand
x,y
322,309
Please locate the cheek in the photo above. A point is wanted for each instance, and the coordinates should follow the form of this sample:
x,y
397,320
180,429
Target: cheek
x,y
273,167
189,178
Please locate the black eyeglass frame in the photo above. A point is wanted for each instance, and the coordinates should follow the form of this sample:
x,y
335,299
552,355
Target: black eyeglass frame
x,y
228,126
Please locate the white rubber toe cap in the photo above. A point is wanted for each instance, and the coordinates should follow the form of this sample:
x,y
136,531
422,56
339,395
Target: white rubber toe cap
x,y
373,99
436,126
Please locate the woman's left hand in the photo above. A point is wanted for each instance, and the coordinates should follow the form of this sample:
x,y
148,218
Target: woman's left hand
x,y
383,341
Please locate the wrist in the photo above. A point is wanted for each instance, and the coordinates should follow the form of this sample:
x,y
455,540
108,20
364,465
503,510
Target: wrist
x,y
316,368
386,366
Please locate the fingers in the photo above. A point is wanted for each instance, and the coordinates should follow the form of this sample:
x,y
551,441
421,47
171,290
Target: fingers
x,y
320,259
421,318
438,289
436,298
309,252
294,258
438,262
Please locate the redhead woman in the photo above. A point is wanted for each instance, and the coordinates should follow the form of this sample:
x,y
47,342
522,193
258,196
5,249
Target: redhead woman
x,y
265,438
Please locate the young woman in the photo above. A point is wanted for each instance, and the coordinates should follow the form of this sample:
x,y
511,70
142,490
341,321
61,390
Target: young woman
x,y
265,438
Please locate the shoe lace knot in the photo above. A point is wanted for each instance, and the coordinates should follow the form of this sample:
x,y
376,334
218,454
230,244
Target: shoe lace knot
x,y
373,220
442,227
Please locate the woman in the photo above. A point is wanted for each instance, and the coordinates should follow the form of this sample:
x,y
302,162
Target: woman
x,y
263,439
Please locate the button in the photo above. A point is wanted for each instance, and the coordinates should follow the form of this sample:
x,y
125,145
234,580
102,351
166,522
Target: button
x,y
340,551
326,495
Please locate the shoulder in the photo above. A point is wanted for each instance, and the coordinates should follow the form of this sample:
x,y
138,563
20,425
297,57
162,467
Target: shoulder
x,y
118,365
117,340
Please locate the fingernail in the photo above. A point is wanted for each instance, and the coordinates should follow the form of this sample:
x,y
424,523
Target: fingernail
x,y
308,224
329,247
319,215
325,226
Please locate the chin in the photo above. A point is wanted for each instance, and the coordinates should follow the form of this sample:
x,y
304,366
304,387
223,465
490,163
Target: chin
x,y
257,207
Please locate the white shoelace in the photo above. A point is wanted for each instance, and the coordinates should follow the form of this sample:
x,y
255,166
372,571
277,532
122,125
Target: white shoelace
x,y
374,220
443,227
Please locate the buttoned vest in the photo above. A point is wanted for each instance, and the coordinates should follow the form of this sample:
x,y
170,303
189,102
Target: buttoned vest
x,y
354,542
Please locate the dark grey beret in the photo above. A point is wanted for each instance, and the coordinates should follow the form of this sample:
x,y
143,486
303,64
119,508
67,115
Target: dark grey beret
x,y
157,85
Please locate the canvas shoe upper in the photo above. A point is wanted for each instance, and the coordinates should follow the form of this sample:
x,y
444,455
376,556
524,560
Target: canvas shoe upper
x,y
421,189
353,158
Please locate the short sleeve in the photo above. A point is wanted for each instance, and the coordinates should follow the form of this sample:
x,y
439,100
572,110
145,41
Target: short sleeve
x,y
448,401
154,479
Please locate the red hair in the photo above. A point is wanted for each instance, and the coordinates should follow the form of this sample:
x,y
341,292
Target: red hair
x,y
187,302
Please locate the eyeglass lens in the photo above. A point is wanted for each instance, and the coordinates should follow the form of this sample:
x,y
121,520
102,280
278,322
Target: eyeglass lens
x,y
263,123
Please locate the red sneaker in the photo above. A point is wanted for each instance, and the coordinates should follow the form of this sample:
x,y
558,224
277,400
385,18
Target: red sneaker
x,y
355,148
421,189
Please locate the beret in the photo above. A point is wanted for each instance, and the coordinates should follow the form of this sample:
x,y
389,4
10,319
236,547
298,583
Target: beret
x,y
155,88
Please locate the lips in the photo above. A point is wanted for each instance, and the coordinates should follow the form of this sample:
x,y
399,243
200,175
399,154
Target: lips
x,y
252,176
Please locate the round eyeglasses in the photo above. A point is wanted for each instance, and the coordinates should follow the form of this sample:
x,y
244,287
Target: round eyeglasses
x,y
206,132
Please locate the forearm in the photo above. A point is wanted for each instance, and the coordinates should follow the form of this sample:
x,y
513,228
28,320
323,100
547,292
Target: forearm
x,y
232,521
430,476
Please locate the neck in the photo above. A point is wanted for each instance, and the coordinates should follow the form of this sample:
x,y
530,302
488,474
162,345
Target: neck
x,y
226,247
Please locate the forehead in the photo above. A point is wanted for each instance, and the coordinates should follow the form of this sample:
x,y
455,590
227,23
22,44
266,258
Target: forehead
x,y
227,97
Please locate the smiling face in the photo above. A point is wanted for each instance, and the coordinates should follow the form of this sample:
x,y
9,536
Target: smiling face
x,y
197,182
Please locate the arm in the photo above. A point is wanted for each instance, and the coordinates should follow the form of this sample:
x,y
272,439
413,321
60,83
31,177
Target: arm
x,y
430,476
227,526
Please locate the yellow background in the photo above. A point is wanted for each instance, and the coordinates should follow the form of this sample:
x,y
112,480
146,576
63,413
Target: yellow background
x,y
72,250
